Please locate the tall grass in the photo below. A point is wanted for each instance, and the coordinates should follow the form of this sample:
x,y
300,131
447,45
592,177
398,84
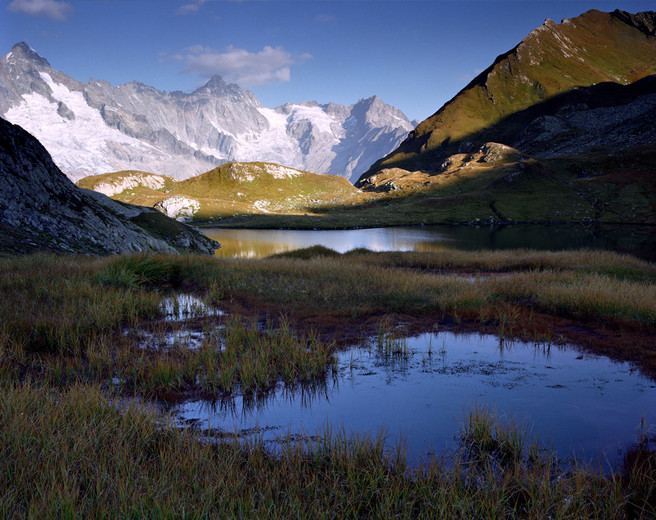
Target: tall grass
x,y
72,448
74,454
78,308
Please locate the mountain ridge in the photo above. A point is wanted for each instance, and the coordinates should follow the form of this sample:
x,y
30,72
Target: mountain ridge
x,y
552,59
136,126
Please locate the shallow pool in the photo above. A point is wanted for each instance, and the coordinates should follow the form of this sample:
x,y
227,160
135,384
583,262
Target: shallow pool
x,y
577,403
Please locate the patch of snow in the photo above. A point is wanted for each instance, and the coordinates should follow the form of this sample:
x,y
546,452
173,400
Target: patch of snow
x,y
242,173
315,115
110,188
262,205
272,145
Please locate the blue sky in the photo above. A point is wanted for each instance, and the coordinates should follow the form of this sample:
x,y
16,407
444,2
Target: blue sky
x,y
415,55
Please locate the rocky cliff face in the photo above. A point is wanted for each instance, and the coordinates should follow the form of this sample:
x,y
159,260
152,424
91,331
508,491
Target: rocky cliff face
x,y
95,128
547,95
41,209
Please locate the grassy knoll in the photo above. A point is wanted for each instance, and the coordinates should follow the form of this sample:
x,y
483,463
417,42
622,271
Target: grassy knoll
x,y
230,189
70,353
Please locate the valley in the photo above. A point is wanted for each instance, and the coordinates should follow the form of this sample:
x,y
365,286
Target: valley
x,y
215,309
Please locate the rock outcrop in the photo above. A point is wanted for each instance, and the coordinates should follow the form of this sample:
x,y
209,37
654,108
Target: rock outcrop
x,y
41,209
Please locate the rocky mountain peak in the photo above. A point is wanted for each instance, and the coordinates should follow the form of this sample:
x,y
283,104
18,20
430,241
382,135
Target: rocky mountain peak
x,y
23,52
215,84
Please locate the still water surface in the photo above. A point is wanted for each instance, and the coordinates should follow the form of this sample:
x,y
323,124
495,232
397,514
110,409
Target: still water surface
x,y
252,243
578,404
581,405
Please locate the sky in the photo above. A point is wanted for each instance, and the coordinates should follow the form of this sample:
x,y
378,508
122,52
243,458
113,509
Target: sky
x,y
415,55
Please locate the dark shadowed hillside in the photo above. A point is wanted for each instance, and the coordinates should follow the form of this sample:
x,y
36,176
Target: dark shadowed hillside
x,y
40,209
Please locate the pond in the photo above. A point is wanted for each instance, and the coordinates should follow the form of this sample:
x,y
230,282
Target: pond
x,y
251,243
577,403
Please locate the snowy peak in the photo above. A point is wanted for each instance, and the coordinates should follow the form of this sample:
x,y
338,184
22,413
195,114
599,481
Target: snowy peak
x,y
95,127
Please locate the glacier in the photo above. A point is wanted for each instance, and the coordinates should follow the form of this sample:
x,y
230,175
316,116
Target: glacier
x,y
95,127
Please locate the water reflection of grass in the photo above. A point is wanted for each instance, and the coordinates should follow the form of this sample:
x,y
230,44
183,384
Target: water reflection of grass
x,y
72,453
63,351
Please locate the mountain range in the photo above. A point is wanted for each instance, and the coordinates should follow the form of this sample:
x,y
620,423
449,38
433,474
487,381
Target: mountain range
x,y
95,127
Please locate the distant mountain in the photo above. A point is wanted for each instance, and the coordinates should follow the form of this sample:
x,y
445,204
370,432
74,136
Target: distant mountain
x,y
565,89
42,210
229,190
96,128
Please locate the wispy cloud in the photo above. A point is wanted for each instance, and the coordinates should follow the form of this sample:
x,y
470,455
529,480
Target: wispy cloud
x,y
327,18
50,8
270,65
190,7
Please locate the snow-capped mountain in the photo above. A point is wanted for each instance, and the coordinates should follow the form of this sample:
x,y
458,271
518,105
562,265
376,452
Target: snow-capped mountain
x,y
95,127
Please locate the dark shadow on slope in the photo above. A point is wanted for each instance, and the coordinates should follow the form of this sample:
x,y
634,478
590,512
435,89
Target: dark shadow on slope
x,y
514,130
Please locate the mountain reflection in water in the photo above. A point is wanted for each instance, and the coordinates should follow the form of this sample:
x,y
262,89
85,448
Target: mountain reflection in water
x,y
255,243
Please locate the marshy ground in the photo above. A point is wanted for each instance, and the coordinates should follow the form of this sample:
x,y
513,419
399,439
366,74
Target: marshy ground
x,y
72,351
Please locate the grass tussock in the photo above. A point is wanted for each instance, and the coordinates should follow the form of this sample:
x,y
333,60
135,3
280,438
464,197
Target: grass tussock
x,y
97,460
72,313
78,335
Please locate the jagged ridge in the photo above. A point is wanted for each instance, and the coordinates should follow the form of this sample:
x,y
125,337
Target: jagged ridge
x,y
95,128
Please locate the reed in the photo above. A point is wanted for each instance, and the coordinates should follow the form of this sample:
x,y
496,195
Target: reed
x,y
73,453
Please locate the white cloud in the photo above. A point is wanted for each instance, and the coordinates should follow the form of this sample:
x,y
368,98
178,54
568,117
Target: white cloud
x,y
50,8
191,7
270,65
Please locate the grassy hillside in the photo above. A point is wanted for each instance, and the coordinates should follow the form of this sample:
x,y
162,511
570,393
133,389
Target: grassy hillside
x,y
597,187
552,59
229,190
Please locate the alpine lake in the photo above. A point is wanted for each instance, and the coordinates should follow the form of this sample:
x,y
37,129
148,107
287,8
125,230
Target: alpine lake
x,y
417,390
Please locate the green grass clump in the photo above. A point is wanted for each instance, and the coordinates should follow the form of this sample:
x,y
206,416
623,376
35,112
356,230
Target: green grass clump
x,y
307,253
141,271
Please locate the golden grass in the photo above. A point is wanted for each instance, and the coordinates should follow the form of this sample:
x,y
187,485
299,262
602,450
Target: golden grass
x,y
71,447
75,454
